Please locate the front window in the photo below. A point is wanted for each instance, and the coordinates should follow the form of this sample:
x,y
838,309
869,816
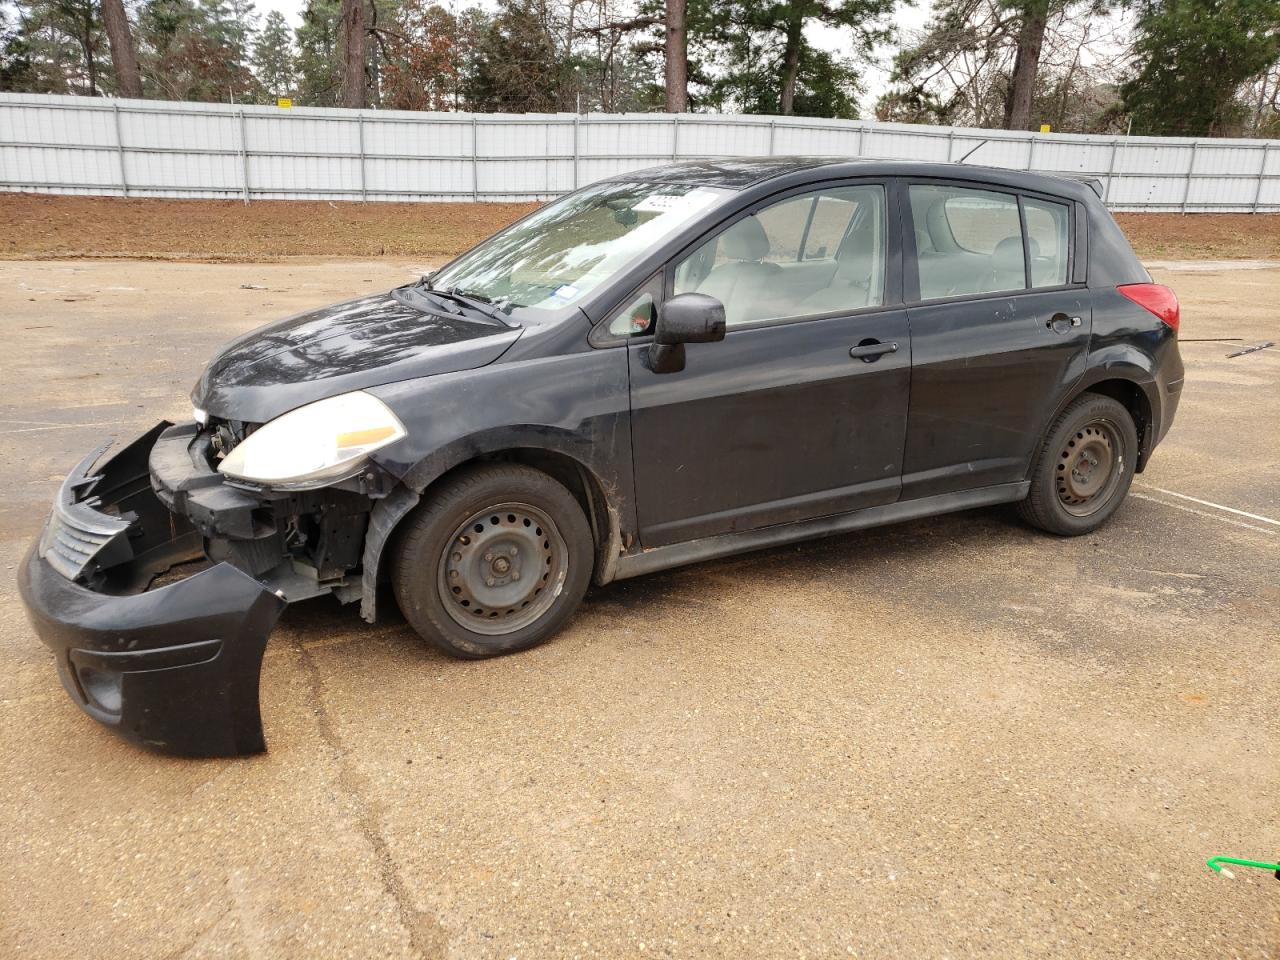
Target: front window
x,y
815,254
638,317
568,248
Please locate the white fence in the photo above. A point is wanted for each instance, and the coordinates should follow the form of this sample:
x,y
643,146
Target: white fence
x,y
144,148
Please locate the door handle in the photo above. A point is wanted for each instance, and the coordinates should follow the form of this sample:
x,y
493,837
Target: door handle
x,y
869,351
1062,318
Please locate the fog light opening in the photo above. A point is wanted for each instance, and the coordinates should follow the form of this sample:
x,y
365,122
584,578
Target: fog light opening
x,y
102,690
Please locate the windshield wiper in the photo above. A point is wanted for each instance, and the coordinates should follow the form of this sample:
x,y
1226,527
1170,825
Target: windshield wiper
x,y
474,301
471,295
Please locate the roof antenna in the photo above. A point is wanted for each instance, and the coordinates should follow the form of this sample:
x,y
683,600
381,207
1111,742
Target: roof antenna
x,y
973,151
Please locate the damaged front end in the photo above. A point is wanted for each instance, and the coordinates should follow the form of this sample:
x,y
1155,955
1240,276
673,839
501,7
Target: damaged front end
x,y
156,584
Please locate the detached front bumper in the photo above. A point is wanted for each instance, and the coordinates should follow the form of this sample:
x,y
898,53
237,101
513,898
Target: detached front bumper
x,y
174,667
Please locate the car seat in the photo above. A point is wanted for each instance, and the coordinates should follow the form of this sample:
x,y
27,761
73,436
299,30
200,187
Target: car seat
x,y
746,284
850,286
1008,269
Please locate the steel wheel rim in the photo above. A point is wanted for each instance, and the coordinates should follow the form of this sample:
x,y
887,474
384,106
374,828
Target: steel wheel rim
x,y
502,568
1089,468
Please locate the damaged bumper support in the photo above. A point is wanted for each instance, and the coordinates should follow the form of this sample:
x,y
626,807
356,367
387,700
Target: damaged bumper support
x,y
175,665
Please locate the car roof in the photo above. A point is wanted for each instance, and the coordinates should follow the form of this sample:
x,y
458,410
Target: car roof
x,y
739,173
733,173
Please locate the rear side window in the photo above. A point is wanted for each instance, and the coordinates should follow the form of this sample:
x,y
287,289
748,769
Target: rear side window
x,y
980,221
1047,226
967,241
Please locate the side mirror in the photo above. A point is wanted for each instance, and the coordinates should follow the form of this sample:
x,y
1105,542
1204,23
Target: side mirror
x,y
687,318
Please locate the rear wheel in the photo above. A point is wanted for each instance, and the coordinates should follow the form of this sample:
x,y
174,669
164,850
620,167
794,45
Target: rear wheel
x,y
1084,467
495,561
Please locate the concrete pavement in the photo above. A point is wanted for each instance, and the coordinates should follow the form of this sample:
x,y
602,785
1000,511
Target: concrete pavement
x,y
956,737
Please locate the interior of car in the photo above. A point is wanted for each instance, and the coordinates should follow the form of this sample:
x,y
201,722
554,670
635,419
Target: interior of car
x,y
815,254
743,278
820,253
970,241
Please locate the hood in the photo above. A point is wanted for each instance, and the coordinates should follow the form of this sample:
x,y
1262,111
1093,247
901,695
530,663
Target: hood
x,y
336,349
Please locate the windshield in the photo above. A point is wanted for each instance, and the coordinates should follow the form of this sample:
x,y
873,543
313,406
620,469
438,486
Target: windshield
x,y
571,246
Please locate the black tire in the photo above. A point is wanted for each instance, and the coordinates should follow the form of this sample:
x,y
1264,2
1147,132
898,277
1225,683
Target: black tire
x,y
1070,495
499,587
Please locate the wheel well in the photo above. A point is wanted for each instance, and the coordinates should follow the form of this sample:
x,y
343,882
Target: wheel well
x,y
570,474
1130,395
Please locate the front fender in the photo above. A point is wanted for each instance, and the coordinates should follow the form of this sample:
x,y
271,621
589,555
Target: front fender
x,y
521,441
575,405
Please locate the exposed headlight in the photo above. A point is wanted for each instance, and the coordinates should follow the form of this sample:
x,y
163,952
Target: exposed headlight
x,y
315,445
200,416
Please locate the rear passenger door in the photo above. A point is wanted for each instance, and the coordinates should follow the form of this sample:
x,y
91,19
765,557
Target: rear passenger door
x,y
1000,324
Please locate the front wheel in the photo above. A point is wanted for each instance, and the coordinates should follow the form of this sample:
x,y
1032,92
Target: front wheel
x,y
495,561
1084,467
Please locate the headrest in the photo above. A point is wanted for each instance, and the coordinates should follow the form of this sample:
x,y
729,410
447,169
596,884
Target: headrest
x,y
1007,256
745,240
856,255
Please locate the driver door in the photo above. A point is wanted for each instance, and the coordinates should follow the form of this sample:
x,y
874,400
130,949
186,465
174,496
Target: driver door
x,y
779,421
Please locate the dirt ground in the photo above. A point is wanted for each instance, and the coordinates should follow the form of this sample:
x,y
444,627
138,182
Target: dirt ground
x,y
1214,236
38,226
955,737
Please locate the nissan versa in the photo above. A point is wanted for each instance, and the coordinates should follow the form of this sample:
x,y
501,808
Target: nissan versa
x,y
671,365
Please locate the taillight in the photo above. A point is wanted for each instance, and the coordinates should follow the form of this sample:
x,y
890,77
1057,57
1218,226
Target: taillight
x,y
1155,297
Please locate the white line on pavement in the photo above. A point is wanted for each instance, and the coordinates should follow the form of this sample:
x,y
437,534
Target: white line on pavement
x,y
1210,503
1204,513
57,426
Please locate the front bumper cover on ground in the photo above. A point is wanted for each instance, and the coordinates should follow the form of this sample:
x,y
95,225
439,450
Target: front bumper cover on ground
x,y
172,667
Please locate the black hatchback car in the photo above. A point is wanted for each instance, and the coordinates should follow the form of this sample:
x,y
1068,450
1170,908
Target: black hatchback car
x,y
675,364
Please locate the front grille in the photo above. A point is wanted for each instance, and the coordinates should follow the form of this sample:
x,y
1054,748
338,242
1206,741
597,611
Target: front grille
x,y
74,538
78,534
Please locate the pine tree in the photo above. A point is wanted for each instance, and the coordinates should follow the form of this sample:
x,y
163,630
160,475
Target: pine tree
x,y
318,67
1003,63
1029,23
17,72
1193,56
273,58
124,55
761,60
517,69
61,47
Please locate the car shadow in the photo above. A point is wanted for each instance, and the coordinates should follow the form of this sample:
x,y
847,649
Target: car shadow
x,y
863,551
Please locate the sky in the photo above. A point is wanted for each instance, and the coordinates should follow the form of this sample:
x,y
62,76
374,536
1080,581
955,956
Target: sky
x,y
877,81
907,19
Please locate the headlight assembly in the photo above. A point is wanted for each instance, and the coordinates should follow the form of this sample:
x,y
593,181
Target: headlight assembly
x,y
315,445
